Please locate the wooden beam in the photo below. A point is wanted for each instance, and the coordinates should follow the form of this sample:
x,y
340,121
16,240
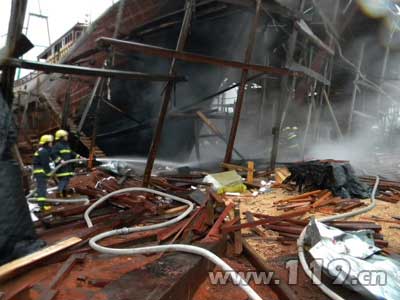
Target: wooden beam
x,y
282,289
234,167
190,57
183,35
84,71
7,270
242,88
309,72
302,26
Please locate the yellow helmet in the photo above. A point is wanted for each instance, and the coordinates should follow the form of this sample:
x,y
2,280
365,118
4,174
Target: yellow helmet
x,y
60,134
47,138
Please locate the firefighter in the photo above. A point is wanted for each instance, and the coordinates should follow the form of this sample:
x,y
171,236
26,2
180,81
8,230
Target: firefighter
x,y
61,153
42,169
291,137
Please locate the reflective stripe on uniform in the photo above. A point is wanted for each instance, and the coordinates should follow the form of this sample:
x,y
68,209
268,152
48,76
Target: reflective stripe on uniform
x,y
65,174
65,151
41,198
36,153
39,171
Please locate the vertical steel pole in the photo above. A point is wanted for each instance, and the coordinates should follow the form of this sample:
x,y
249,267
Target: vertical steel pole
x,y
285,93
15,26
242,87
355,88
383,73
189,7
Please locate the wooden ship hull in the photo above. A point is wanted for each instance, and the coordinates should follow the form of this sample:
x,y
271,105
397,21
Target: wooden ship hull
x,y
125,120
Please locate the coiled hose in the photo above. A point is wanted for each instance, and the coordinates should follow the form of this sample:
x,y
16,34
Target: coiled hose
x,y
93,242
300,242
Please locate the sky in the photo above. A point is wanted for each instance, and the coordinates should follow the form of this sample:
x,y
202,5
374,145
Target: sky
x,y
62,15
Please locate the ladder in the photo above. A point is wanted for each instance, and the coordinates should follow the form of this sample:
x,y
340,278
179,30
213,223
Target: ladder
x,y
85,140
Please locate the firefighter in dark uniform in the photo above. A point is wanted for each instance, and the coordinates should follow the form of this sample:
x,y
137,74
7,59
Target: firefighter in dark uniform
x,y
41,169
61,153
291,142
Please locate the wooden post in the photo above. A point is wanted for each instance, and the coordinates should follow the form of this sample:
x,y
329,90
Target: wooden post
x,y
355,88
242,87
187,19
250,171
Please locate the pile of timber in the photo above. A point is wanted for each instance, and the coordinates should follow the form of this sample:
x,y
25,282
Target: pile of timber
x,y
389,191
318,201
289,226
66,233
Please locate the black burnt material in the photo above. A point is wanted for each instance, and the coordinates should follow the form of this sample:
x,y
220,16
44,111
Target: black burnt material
x,y
17,233
336,176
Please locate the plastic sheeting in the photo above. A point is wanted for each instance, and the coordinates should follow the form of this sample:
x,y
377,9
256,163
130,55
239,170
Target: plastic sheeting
x,y
352,260
17,233
8,130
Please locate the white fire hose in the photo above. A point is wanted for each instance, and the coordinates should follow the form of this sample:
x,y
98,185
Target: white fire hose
x,y
300,242
156,249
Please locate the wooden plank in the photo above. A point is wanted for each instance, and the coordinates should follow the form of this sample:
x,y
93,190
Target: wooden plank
x,y
233,167
10,268
283,290
50,293
295,67
305,195
323,200
256,230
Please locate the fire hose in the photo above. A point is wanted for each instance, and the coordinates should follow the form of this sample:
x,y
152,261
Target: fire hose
x,y
300,242
193,249
84,201
152,249
156,249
